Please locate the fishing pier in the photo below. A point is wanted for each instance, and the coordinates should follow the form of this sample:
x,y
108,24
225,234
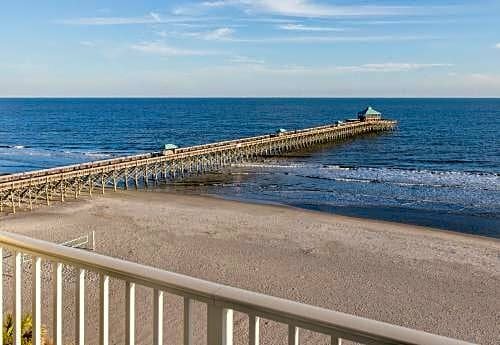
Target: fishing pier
x,y
24,191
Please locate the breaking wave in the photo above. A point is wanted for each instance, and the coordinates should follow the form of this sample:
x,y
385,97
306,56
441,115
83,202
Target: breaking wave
x,y
395,176
16,158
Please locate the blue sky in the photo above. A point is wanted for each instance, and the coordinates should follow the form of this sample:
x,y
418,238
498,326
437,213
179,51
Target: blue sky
x,y
250,48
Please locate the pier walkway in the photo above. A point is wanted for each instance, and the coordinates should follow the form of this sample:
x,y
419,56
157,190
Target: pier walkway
x,y
29,189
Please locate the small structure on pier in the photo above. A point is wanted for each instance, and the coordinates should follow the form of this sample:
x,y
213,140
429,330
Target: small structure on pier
x,y
169,149
279,132
369,114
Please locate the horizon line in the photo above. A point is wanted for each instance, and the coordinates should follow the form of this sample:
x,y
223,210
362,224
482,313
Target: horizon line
x,y
248,97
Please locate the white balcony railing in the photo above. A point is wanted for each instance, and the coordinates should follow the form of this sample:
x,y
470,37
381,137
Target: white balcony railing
x,y
221,300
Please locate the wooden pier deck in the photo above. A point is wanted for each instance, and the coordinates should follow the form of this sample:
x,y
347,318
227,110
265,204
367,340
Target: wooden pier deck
x,y
24,191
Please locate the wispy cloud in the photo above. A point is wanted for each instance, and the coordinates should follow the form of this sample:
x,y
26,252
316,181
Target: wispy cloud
x,y
301,27
497,45
245,60
216,3
87,43
311,8
163,49
400,21
108,20
156,17
331,39
486,78
391,67
219,34
333,70
151,18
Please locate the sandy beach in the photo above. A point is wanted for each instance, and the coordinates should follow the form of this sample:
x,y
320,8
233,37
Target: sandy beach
x,y
437,281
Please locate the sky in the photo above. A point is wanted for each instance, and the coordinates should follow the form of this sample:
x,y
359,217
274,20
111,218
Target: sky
x,y
250,48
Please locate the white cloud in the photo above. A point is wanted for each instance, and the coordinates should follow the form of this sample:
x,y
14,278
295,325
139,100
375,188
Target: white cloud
x,y
108,20
301,27
151,18
400,22
333,70
218,34
308,8
155,16
87,43
245,60
484,78
331,39
162,49
391,67
214,3
473,84
497,45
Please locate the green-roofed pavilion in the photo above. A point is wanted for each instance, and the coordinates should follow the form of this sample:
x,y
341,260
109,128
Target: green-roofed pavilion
x,y
369,114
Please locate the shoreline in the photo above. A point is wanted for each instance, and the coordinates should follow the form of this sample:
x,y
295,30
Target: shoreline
x,y
332,213
228,186
436,281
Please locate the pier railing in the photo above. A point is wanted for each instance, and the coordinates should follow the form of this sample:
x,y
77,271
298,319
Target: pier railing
x,y
221,301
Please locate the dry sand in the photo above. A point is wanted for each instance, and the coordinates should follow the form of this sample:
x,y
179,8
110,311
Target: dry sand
x,y
431,280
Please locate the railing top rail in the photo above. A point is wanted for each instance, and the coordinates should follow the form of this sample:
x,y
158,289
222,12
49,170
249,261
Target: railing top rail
x,y
302,315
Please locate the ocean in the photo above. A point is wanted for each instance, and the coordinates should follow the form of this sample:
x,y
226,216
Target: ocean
x,y
439,168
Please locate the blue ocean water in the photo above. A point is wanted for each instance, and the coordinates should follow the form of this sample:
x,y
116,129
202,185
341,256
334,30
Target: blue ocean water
x,y
439,168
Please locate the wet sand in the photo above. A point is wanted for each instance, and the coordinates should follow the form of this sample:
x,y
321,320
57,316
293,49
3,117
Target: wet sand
x,y
437,281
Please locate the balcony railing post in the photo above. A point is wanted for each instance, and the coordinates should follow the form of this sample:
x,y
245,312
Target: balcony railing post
x,y
219,325
80,307
188,315
158,317
227,327
18,260
335,340
57,301
253,330
130,313
104,310
36,301
293,335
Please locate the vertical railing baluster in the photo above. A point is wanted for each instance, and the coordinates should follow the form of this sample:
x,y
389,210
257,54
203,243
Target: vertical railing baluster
x,y
293,335
57,301
104,310
219,325
18,259
188,320
214,324
36,300
335,340
253,330
130,313
158,317
80,307
227,327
